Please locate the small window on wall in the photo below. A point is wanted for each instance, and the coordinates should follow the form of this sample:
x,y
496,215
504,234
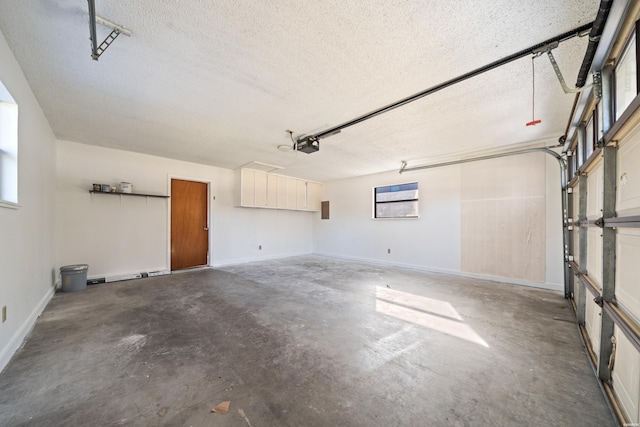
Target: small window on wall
x,y
8,149
626,77
396,201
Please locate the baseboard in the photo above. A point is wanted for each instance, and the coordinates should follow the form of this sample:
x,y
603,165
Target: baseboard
x,y
541,285
96,280
18,338
238,261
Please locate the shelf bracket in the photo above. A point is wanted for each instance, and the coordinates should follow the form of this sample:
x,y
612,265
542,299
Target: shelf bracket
x,y
597,80
94,19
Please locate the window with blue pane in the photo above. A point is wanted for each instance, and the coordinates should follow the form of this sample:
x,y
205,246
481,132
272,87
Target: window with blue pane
x,y
396,201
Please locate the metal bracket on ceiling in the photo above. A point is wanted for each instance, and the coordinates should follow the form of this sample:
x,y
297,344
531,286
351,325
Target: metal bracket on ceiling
x,y
403,165
94,19
597,79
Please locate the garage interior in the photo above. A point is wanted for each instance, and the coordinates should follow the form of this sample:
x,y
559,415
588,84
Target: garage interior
x,y
388,213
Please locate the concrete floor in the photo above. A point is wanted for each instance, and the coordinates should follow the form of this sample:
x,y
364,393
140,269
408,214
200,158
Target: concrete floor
x,y
304,341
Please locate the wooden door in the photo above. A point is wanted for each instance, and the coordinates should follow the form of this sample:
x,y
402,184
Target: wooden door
x,y
189,225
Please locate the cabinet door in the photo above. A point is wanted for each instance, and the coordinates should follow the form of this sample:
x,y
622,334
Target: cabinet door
x,y
260,188
301,194
272,191
292,185
313,196
248,188
282,196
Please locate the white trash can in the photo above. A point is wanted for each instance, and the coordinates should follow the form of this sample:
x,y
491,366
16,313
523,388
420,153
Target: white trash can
x,y
74,277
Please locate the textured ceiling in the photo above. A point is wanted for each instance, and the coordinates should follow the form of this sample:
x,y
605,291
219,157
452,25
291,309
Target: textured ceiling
x,y
220,82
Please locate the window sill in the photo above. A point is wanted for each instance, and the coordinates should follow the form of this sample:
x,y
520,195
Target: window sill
x,y
9,205
402,218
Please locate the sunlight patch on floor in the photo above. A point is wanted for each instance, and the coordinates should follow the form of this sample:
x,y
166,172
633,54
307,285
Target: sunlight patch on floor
x,y
430,313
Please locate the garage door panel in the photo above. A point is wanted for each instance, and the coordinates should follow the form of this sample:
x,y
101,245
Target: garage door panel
x,y
626,376
628,269
628,177
592,322
577,289
594,192
594,255
576,202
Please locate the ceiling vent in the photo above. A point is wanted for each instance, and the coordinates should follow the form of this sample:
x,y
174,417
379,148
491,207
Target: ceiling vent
x,y
265,167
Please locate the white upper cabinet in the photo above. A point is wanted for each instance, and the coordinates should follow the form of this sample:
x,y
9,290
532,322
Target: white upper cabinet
x,y
272,191
247,187
264,190
292,187
260,179
281,195
301,194
313,196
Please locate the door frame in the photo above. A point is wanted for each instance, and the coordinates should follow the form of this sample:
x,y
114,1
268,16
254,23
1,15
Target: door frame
x,y
209,234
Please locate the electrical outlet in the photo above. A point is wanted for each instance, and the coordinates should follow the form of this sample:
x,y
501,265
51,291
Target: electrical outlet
x,y
260,247
4,313
388,251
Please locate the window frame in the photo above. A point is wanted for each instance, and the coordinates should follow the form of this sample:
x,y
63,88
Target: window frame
x,y
376,202
580,150
590,140
573,170
9,117
625,50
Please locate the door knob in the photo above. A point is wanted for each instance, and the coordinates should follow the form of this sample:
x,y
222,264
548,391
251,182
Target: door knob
x,y
206,229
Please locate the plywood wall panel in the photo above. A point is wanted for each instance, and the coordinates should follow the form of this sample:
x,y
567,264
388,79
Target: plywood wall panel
x,y
503,217
626,376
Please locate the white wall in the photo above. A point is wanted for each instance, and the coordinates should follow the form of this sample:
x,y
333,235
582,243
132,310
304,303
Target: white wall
x,y
554,249
26,233
122,235
433,241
